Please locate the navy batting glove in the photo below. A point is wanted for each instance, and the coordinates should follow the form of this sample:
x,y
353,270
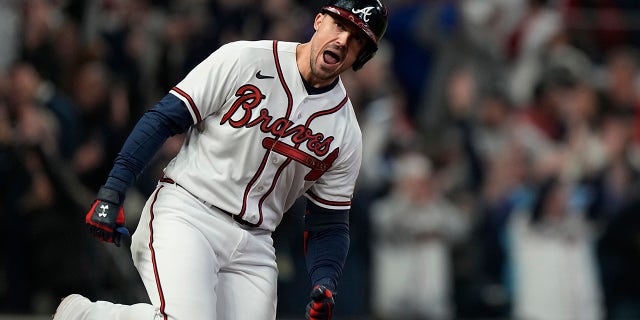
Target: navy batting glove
x,y
321,305
105,219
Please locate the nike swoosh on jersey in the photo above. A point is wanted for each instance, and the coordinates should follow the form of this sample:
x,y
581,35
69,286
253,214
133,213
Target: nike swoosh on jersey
x,y
259,75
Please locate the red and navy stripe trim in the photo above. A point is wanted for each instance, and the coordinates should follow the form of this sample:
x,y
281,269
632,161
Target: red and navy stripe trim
x,y
192,105
328,202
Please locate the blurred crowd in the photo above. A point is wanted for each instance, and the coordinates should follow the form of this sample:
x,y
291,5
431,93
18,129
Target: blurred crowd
x,y
501,167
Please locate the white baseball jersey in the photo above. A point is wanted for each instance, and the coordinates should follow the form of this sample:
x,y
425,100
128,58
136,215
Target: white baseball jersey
x,y
260,139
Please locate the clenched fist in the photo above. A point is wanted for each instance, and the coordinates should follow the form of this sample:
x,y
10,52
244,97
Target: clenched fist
x,y
321,305
105,219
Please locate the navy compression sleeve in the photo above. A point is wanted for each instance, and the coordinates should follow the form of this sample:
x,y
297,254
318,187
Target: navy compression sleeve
x,y
326,244
167,118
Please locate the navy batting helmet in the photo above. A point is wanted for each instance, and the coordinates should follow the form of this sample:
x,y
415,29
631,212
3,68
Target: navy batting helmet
x,y
368,15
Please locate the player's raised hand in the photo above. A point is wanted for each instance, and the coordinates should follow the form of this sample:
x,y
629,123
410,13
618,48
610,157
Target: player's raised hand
x,y
321,305
105,219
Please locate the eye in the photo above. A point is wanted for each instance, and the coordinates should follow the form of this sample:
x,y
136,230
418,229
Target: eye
x,y
340,25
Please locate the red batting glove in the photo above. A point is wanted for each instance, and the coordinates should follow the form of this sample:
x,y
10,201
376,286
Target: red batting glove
x,y
105,219
321,305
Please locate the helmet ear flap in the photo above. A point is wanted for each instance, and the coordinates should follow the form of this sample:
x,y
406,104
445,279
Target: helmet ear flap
x,y
365,55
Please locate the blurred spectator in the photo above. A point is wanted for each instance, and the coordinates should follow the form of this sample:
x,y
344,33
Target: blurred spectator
x,y
40,22
183,22
499,95
615,195
544,112
621,85
9,25
598,26
386,127
527,45
34,202
615,184
34,123
414,227
417,30
105,119
28,87
499,163
619,259
551,255
280,15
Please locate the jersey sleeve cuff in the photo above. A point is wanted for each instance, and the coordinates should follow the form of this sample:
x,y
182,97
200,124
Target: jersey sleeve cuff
x,y
188,101
327,204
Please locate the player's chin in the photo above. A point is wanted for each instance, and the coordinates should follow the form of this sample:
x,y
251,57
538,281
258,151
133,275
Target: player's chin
x,y
330,70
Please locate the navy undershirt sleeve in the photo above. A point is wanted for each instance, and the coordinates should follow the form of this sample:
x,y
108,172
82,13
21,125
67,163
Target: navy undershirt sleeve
x,y
327,244
167,118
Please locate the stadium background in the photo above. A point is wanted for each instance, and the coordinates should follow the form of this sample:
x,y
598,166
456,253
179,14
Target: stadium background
x,y
503,134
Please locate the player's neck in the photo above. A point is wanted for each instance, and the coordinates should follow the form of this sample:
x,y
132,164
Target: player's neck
x,y
318,90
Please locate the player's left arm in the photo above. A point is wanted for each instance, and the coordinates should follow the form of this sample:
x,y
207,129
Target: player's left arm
x,y
326,247
327,227
329,200
326,244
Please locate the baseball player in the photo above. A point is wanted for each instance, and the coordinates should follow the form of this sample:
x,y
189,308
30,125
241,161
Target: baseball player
x,y
266,122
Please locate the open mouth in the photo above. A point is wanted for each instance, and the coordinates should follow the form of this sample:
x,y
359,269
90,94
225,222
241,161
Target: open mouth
x,y
331,57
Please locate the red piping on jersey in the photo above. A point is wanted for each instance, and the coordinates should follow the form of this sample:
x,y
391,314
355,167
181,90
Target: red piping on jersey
x,y
295,153
167,180
328,111
282,81
266,155
313,116
192,105
327,202
273,186
287,115
253,180
318,166
153,256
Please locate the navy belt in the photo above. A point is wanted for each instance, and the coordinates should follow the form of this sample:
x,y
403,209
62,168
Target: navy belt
x,y
235,217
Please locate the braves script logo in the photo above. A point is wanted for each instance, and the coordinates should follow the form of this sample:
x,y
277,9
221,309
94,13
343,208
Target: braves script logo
x,y
364,13
243,113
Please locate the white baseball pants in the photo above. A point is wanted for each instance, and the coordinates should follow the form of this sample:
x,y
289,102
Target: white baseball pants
x,y
198,263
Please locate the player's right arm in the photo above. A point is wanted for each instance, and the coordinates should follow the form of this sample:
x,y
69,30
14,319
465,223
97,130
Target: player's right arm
x,y
201,91
168,117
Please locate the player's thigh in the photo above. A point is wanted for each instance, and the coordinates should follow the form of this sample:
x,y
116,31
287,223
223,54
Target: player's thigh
x,y
174,259
247,287
247,295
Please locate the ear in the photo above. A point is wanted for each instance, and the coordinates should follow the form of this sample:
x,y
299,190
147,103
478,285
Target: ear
x,y
318,21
